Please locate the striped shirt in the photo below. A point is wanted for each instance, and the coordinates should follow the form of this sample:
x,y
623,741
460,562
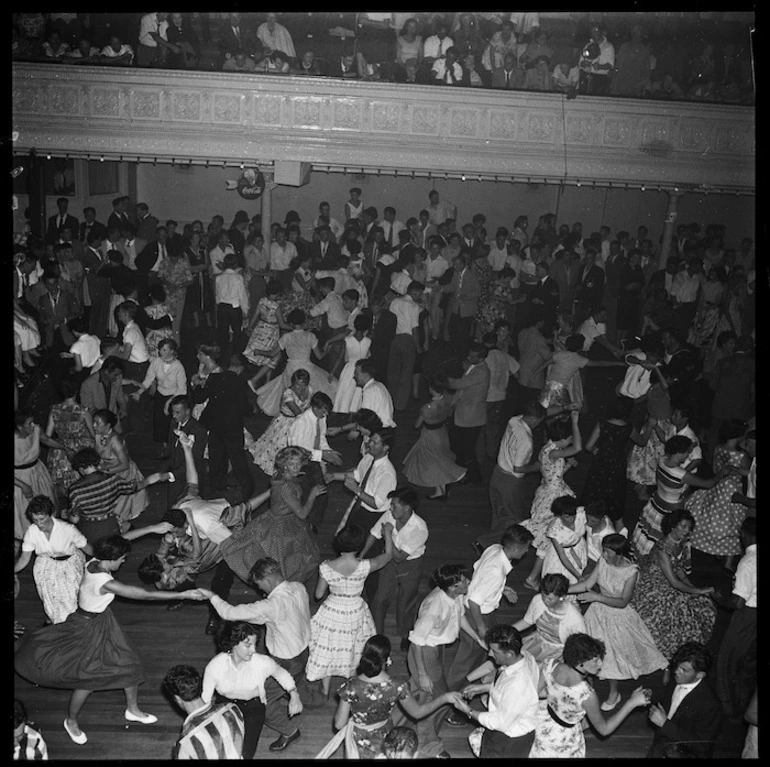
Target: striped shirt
x,y
30,746
96,499
212,732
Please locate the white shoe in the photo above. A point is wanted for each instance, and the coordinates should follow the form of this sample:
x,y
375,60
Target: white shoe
x,y
81,739
146,719
609,704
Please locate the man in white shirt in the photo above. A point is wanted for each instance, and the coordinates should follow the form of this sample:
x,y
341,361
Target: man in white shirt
x,y
308,430
275,37
232,300
217,254
686,289
282,253
371,481
331,308
436,46
285,614
737,661
440,210
512,711
130,245
152,39
594,329
391,227
400,578
405,345
680,418
486,590
438,624
595,70
375,395
337,229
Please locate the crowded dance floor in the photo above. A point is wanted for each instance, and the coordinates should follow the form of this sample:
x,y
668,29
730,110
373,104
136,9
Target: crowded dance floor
x,y
418,468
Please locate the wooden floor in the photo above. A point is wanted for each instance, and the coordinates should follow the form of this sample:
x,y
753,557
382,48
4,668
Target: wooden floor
x,y
164,638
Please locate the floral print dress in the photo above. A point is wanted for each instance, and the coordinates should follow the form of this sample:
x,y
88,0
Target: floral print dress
x,y
71,430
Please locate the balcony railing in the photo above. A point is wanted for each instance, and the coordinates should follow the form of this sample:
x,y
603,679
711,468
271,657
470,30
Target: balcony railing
x,y
218,117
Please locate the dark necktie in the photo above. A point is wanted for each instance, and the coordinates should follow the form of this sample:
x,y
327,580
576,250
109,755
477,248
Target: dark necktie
x,y
390,235
507,79
317,440
362,486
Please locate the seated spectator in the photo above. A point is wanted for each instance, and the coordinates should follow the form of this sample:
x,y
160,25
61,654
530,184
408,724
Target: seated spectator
x,y
412,72
153,46
275,63
467,37
374,33
536,48
509,76
502,42
117,53
83,53
408,43
54,47
565,78
239,62
470,73
538,78
68,25
235,36
633,65
662,87
596,63
308,65
437,45
275,37
187,52
343,65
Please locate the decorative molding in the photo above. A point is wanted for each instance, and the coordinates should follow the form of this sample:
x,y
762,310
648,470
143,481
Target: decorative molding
x,y
220,117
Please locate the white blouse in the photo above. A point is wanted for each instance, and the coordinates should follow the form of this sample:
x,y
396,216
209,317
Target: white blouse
x,y
65,540
243,682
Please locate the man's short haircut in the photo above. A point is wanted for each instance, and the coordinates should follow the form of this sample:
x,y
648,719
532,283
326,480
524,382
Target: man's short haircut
x,y
407,496
94,235
327,282
478,348
264,567
387,435
447,576
400,741
695,653
181,399
368,367
90,208
211,350
505,636
414,285
130,308
351,294
322,400
150,569
142,206
390,209
184,681
516,535
113,365
580,648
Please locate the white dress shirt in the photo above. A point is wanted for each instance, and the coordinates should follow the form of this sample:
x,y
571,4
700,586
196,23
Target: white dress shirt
x,y
230,288
410,539
438,621
285,614
150,23
686,286
696,454
407,313
281,257
245,681
590,330
381,481
89,349
433,47
170,377
129,248
515,447
681,691
303,432
400,281
488,581
497,258
217,256
65,540
132,335
501,367
391,231
206,516
376,397
111,53
513,702
745,585
333,308
436,267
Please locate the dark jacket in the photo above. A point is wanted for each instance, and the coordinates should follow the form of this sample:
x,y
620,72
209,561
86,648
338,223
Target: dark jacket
x,y
194,428
590,285
52,231
228,403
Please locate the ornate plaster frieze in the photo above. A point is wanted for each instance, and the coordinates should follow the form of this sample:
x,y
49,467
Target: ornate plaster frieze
x,y
232,117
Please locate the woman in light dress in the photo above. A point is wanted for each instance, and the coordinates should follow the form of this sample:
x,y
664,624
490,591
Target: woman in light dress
x,y
298,344
571,698
564,441
30,476
158,309
567,551
115,460
263,349
343,623
631,650
357,345
296,400
430,462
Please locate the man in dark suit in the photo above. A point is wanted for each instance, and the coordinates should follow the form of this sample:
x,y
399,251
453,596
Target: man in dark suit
x,y
613,267
119,216
564,269
228,403
235,36
98,285
104,389
146,225
508,76
55,223
545,293
150,259
324,253
180,408
383,332
56,307
664,278
343,65
590,286
90,224
463,304
687,712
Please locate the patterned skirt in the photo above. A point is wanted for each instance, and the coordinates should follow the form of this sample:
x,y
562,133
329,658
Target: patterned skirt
x,y
263,344
57,583
648,529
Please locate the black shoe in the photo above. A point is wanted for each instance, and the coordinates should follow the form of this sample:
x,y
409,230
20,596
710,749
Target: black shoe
x,y
456,720
443,755
478,548
284,741
404,645
211,627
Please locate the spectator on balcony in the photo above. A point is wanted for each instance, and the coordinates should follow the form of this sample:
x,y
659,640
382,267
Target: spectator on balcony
x,y
408,43
437,45
275,63
471,74
502,42
153,45
235,36
633,65
375,44
467,37
526,23
662,87
447,69
83,53
704,89
565,78
703,65
68,25
275,37
117,53
343,65
180,33
596,63
307,65
536,48
538,78
508,76
54,47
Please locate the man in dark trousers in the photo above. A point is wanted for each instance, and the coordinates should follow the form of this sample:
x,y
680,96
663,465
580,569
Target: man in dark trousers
x,y
228,403
687,713
180,408
383,332
545,293
62,218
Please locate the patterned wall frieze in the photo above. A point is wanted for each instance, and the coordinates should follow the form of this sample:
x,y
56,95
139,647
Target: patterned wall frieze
x,y
218,116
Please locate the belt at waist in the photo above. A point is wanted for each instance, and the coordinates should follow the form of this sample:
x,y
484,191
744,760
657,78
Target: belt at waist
x,y
508,473
87,613
27,465
96,517
62,558
559,721
434,425
371,727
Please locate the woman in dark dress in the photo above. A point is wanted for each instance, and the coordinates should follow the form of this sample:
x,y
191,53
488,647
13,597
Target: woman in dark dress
x,y
88,651
606,480
631,286
200,298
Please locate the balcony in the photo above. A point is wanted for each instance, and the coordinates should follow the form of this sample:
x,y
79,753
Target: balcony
x,y
258,119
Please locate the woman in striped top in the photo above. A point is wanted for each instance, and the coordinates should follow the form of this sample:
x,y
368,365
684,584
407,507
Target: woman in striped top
x,y
671,482
93,498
